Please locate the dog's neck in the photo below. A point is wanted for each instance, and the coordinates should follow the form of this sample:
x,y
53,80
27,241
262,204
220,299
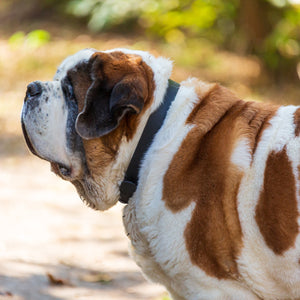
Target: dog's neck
x,y
154,123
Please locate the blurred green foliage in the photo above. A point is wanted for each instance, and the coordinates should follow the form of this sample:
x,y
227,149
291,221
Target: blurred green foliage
x,y
32,40
267,28
283,40
159,16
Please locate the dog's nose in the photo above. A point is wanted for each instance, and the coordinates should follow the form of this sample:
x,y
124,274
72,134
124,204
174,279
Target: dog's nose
x,y
34,89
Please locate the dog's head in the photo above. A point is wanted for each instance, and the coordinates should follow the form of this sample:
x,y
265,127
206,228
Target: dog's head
x,y
88,120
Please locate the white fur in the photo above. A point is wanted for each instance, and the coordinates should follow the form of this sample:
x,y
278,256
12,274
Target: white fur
x,y
241,155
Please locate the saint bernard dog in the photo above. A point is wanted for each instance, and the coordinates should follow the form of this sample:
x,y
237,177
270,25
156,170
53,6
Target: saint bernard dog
x,y
213,212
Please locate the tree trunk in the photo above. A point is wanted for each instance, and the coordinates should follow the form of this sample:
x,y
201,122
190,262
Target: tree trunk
x,y
253,21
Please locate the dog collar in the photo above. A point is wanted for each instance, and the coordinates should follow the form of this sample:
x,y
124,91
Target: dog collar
x,y
154,123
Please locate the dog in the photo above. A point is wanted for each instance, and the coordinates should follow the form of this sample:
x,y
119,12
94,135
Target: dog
x,y
210,182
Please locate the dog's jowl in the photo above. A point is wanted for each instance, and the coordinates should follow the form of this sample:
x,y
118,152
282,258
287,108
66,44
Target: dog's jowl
x,y
211,182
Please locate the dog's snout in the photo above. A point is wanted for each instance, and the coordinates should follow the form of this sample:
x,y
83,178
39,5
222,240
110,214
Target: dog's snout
x,y
34,89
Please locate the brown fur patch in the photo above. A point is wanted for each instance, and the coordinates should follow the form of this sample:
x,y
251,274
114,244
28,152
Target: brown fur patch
x,y
110,68
276,211
297,122
202,171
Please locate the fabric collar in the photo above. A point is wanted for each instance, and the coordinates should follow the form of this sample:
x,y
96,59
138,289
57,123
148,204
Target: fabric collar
x,y
154,123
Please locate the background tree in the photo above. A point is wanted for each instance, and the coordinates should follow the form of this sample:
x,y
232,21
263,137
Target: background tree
x,y
266,28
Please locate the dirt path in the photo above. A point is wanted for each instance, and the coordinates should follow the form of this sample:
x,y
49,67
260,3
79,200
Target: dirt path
x,y
53,247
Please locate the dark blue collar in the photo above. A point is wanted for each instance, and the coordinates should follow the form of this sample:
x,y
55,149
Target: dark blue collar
x,y
155,121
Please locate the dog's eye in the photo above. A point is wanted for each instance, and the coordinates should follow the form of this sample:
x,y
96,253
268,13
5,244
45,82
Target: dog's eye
x,y
68,89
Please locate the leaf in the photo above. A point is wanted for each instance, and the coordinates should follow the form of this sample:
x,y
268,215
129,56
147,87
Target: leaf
x,y
96,277
17,39
37,38
6,294
57,281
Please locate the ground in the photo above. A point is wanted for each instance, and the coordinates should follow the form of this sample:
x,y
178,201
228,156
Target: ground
x,y
53,247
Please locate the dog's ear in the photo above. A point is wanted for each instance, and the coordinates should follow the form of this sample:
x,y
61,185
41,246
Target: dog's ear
x,y
106,106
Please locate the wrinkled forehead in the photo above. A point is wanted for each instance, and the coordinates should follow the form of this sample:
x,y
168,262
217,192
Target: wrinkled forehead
x,y
85,54
71,61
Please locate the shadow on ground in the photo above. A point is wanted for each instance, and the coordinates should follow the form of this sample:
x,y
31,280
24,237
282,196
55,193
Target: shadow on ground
x,y
60,281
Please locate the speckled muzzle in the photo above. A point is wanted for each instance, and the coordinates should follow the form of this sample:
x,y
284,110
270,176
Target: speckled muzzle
x,y
48,123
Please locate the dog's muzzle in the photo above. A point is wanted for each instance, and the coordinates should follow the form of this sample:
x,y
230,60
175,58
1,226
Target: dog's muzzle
x,y
48,124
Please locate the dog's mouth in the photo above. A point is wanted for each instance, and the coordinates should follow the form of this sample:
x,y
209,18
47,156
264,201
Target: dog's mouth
x,y
28,141
86,192
85,189
60,169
